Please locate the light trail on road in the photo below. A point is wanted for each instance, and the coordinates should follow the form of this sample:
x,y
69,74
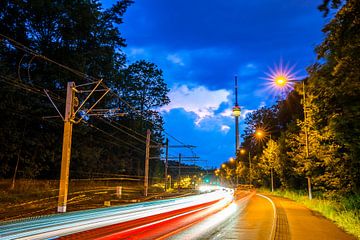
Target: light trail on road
x,y
135,219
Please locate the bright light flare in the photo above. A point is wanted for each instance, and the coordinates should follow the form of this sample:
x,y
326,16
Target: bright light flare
x,y
281,78
261,134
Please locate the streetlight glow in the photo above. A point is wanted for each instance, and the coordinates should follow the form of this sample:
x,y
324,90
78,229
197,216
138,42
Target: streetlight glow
x,y
261,134
281,78
280,81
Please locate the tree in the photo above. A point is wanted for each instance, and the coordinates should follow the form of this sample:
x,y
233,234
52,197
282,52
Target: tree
x,y
85,38
335,84
270,159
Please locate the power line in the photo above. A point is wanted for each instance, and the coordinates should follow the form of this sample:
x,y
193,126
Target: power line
x,y
86,77
110,135
113,123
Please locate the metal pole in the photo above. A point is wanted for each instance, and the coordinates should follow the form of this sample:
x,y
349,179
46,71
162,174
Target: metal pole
x,y
306,140
147,155
249,168
179,172
166,162
272,180
66,148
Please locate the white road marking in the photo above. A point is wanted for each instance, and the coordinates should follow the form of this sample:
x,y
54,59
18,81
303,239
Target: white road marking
x,y
272,235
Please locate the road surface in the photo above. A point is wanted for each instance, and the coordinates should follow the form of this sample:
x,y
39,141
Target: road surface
x,y
270,218
215,215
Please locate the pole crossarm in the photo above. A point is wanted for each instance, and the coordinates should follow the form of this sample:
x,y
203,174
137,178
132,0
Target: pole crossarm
x,y
89,110
88,96
52,102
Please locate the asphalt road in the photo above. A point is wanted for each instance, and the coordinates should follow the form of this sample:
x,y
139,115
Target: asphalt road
x,y
215,215
270,218
251,218
134,221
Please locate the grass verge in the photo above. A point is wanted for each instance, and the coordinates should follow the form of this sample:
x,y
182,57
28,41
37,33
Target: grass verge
x,y
345,211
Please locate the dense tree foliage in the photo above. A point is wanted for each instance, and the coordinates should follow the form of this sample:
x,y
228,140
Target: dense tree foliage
x,y
85,37
332,108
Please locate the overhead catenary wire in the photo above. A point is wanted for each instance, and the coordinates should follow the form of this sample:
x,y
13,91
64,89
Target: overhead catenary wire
x,y
40,92
110,135
118,127
30,88
87,77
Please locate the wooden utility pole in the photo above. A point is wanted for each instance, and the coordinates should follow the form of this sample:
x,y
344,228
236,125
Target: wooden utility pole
x,y
147,155
166,162
66,148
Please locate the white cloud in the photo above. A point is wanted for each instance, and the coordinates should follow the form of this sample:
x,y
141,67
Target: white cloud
x,y
228,112
248,70
199,100
250,65
245,112
225,128
137,51
174,58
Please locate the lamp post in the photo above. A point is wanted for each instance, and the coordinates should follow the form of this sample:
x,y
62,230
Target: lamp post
x,y
250,169
281,81
243,151
260,135
169,177
234,160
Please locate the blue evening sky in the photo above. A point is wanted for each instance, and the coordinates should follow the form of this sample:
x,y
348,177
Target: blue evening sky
x,y
202,44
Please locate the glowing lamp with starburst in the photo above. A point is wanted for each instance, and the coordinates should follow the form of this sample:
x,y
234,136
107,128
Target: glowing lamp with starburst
x,y
281,78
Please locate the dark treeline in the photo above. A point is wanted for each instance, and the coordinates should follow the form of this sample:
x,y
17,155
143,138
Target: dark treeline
x,y
84,36
332,92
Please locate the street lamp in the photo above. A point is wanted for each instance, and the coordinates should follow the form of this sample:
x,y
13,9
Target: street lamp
x,y
243,151
169,177
281,81
261,134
